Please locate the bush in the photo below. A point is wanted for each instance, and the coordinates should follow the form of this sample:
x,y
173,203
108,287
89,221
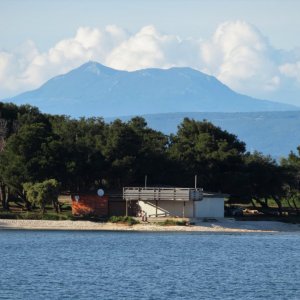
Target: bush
x,y
43,193
124,220
169,222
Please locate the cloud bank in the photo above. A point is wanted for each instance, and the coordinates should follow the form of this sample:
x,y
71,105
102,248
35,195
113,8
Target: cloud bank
x,y
238,54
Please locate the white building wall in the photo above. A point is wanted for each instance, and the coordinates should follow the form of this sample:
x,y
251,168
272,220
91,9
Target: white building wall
x,y
206,208
167,208
209,208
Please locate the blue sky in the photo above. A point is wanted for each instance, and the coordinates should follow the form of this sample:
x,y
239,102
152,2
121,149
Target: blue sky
x,y
46,22
41,39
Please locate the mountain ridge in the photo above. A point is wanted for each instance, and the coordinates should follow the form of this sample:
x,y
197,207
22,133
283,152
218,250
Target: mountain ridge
x,y
93,89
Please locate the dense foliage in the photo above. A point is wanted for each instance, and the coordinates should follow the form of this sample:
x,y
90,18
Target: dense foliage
x,y
43,193
41,153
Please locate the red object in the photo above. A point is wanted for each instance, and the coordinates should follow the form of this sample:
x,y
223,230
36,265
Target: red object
x,y
89,204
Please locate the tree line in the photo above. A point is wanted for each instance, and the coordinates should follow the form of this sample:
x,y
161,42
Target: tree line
x,y
43,155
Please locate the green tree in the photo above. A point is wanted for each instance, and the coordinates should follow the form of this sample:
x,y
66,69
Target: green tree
x,y
80,152
27,157
83,153
120,150
263,179
207,150
292,166
42,193
151,158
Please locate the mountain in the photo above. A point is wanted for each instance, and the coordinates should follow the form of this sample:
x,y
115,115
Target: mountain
x,y
96,90
274,133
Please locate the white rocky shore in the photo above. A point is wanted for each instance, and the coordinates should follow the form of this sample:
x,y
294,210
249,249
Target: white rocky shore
x,y
221,225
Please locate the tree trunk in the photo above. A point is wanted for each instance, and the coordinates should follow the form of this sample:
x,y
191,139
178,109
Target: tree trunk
x,y
253,203
28,205
263,204
43,208
279,204
297,210
56,206
289,203
4,196
266,202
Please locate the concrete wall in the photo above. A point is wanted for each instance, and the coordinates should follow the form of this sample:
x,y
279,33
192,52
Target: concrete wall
x,y
167,208
209,208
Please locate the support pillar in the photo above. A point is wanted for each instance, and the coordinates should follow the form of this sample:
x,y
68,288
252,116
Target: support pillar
x,y
194,213
156,208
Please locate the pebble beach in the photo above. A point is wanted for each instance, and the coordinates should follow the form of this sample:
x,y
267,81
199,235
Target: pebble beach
x,y
222,225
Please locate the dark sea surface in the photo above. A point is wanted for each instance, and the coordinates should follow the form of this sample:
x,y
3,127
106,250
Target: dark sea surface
x,y
126,265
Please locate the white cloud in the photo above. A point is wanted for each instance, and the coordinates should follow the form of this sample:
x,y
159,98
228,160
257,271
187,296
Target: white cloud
x,y
237,54
241,57
150,48
26,68
291,70
88,44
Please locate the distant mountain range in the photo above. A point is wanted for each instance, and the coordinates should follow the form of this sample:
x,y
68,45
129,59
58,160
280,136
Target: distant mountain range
x,y
96,90
274,133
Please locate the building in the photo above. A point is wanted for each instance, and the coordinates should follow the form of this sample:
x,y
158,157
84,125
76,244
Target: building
x,y
211,206
93,205
175,202
89,205
150,201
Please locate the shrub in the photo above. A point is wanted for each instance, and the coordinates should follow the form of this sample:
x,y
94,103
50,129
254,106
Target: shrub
x,y
43,193
123,219
170,222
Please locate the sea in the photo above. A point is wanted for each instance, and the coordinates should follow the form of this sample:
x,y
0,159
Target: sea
x,y
148,265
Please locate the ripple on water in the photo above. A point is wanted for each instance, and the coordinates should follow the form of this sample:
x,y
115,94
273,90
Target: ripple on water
x,y
127,265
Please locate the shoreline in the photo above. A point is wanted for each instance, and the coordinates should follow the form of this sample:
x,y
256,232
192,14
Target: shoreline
x,y
224,225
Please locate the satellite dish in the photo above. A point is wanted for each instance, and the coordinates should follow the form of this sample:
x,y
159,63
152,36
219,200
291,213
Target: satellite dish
x,y
100,192
77,198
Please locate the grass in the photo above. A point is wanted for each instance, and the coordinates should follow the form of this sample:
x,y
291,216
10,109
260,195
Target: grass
x,y
294,219
18,213
123,220
284,202
34,215
272,203
289,215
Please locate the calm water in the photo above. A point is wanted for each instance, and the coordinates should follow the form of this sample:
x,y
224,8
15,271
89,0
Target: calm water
x,y
114,265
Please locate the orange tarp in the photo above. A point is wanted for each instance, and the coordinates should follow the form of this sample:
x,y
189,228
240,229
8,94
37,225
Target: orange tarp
x,y
89,205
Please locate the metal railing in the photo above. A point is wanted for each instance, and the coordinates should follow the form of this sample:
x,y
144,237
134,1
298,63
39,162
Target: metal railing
x,y
170,194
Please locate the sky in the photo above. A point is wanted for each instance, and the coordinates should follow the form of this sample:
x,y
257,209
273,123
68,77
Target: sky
x,y
251,46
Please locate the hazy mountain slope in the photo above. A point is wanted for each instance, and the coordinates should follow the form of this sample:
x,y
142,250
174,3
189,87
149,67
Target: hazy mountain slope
x,y
95,90
275,133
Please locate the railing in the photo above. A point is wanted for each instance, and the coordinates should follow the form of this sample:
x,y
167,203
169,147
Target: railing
x,y
171,194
